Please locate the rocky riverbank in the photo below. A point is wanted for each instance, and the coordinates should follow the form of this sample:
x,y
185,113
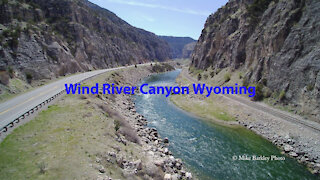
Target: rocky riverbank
x,y
156,151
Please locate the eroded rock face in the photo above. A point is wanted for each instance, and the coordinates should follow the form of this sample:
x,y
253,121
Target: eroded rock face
x,y
53,38
279,45
181,47
188,49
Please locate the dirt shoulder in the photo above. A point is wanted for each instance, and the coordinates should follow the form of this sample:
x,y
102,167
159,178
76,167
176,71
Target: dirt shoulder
x,y
296,138
90,137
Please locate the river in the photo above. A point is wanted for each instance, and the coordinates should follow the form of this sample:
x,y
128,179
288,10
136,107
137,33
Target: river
x,y
208,149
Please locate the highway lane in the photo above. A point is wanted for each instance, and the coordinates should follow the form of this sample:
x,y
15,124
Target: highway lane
x,y
16,107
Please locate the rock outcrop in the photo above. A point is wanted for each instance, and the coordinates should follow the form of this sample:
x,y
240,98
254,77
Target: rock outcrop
x,y
181,47
188,49
53,38
275,42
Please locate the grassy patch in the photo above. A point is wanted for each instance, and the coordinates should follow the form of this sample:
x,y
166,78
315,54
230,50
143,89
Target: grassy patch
x,y
59,143
42,154
15,85
195,71
206,108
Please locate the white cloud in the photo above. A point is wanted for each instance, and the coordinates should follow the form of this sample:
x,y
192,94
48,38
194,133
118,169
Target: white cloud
x,y
134,3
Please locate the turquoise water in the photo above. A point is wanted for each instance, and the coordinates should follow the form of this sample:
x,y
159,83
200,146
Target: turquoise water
x,y
208,149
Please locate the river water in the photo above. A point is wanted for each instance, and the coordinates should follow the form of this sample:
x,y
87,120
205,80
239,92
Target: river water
x,y
208,149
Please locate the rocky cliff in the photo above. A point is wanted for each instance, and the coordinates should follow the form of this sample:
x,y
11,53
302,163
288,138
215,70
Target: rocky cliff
x,y
44,39
276,44
188,49
181,47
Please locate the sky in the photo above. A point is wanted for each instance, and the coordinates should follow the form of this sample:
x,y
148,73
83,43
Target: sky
x,y
182,18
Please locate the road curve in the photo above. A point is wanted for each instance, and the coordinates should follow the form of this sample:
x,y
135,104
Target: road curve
x,y
14,109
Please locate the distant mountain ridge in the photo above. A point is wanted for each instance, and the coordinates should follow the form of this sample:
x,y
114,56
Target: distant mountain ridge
x,y
53,38
181,47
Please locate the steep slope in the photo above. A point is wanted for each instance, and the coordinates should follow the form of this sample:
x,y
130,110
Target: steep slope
x,y
188,49
178,46
51,38
276,44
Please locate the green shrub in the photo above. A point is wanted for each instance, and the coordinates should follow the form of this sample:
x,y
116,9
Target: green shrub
x,y
259,92
1,38
310,87
212,74
267,93
4,78
116,125
10,71
29,77
240,75
256,9
34,5
6,32
218,71
42,167
282,95
5,45
13,43
14,35
264,81
199,77
245,82
227,77
4,2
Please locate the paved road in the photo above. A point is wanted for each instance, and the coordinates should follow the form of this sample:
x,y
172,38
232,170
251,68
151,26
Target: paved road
x,y
16,107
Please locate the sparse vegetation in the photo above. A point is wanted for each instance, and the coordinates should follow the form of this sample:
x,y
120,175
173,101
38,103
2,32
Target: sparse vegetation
x,y
282,95
264,81
218,71
162,67
267,93
15,36
256,9
245,82
310,87
29,77
11,72
199,77
259,92
4,78
116,125
195,71
240,75
1,39
212,74
42,167
227,77
4,2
